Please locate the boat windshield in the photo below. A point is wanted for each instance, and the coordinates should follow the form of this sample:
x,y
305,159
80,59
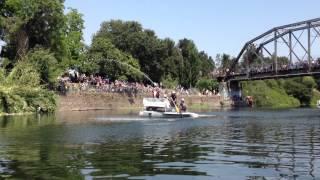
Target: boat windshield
x,y
155,102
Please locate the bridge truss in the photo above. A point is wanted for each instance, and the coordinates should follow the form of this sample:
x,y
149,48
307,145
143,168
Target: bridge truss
x,y
298,42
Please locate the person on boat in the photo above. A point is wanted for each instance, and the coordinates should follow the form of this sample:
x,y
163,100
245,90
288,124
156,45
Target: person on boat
x,y
157,93
173,100
167,103
183,106
154,93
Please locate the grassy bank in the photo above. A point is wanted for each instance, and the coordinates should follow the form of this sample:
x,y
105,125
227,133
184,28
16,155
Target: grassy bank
x,y
283,93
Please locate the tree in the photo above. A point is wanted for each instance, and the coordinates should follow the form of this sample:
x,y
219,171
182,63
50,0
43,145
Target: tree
x,y
207,84
158,58
191,62
46,64
223,61
172,59
301,88
207,63
74,35
28,24
107,60
141,43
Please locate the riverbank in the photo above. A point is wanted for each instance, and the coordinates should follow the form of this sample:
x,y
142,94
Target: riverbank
x,y
282,93
113,101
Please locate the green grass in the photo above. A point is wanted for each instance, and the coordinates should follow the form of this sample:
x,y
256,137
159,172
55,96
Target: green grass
x,y
269,94
315,98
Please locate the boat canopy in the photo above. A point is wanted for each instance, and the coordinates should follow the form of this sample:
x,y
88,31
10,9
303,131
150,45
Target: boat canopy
x,y
154,102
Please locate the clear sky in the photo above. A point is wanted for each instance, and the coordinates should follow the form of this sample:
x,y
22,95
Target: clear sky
x,y
216,26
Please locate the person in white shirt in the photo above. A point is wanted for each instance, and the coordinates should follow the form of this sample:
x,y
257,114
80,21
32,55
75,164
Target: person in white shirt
x,y
167,103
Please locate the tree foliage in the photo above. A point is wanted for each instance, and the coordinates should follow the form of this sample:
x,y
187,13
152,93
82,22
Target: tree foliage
x,y
41,42
74,36
158,57
268,93
107,60
207,84
46,64
32,23
290,92
301,88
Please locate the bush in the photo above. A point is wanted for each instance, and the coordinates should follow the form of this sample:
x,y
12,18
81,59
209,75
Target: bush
x,y
46,64
20,91
283,93
301,88
315,98
23,74
207,84
268,94
26,99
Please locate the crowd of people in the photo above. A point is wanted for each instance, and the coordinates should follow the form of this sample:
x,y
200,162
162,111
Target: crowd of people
x,y
99,84
298,65
72,82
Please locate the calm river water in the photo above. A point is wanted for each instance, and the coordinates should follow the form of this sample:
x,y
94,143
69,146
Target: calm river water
x,y
234,144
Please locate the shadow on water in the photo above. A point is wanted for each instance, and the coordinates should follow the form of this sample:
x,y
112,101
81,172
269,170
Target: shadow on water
x,y
233,145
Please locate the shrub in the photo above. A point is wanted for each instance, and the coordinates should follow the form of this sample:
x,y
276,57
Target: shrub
x,y
20,91
46,64
268,94
23,74
207,84
301,88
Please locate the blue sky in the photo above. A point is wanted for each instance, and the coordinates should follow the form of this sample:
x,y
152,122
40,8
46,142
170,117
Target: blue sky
x,y
216,26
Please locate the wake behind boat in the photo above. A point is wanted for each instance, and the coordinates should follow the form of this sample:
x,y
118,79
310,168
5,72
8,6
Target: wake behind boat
x,y
160,107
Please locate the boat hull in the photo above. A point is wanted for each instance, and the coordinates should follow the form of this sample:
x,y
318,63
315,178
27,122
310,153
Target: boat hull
x,y
168,114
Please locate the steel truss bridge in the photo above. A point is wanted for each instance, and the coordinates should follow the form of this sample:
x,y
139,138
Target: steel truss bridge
x,y
285,51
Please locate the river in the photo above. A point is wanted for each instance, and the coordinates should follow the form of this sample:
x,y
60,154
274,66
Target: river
x,y
226,144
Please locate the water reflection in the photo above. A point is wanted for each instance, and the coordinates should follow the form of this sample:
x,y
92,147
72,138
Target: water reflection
x,y
233,145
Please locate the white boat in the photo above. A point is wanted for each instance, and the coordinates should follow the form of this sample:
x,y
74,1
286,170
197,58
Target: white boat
x,y
160,107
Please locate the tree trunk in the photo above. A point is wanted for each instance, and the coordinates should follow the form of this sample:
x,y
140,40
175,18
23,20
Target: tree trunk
x,y
22,43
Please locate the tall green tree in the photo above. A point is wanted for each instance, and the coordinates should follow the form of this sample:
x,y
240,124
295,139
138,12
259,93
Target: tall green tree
x,y
224,61
172,63
191,63
32,23
207,63
159,58
74,36
141,43
105,59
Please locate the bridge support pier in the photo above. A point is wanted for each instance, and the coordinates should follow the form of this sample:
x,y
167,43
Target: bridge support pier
x,y
230,90
235,90
224,90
